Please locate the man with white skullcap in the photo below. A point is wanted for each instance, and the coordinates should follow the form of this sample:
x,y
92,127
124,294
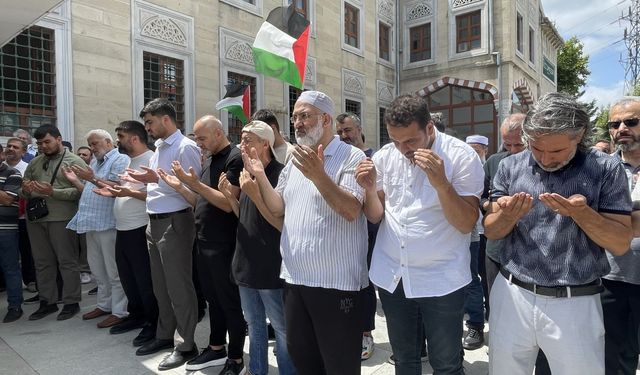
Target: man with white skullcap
x,y
323,242
480,143
473,299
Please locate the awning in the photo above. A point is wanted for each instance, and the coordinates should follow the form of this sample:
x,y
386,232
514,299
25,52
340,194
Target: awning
x,y
15,16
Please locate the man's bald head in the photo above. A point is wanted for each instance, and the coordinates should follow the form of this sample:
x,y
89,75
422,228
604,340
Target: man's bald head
x,y
208,123
210,134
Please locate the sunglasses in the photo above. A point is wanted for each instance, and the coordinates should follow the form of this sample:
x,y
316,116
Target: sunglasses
x,y
629,123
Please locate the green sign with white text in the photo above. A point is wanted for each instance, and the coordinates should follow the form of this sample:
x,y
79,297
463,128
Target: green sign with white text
x,y
548,69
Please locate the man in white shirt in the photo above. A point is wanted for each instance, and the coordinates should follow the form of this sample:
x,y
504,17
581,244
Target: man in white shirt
x,y
131,251
425,187
321,202
170,236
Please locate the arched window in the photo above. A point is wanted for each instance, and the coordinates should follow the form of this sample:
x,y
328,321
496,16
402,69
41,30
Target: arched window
x,y
466,111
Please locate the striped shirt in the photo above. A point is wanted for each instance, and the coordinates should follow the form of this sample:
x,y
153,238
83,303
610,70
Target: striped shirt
x,y
10,183
549,249
416,243
162,198
319,247
95,212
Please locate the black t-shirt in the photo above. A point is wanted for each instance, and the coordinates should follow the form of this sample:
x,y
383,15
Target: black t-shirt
x,y
212,223
256,262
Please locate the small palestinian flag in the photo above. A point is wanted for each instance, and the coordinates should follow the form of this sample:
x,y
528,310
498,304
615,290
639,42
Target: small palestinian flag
x,y
280,48
237,101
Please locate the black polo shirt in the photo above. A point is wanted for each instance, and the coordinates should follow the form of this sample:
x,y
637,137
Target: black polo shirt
x,y
212,223
256,262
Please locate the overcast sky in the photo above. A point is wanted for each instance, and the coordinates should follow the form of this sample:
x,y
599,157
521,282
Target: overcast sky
x,y
597,25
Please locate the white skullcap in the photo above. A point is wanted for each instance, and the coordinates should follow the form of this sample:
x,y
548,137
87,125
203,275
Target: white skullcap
x,y
319,100
479,139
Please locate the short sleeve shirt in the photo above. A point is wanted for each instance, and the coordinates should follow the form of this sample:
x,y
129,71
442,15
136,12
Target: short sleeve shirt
x,y
212,223
549,249
416,243
257,260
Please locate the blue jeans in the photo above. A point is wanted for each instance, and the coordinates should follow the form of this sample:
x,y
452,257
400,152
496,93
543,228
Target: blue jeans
x,y
442,320
258,304
474,295
9,261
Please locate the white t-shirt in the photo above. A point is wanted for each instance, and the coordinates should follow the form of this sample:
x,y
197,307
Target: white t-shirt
x,y
131,213
283,152
21,166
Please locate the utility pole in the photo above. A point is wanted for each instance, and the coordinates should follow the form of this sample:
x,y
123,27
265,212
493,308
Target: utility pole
x,y
632,41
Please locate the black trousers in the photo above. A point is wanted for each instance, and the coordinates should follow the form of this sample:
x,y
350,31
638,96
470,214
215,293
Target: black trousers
x,y
225,310
369,293
132,259
621,309
482,271
26,259
324,329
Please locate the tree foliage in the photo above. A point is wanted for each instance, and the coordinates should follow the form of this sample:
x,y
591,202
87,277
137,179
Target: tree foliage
x,y
600,125
573,68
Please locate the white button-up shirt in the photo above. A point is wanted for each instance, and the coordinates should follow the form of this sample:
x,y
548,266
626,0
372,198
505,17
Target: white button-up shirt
x,y
416,243
162,198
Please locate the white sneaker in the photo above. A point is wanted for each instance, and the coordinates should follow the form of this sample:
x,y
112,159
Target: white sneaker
x,y
85,278
367,347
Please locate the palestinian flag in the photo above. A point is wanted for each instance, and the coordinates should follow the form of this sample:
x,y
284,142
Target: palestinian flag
x,y
237,101
280,48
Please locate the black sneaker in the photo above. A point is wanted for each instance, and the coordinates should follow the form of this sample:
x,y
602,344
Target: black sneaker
x,y
44,310
68,311
93,291
207,358
33,300
233,368
474,339
13,314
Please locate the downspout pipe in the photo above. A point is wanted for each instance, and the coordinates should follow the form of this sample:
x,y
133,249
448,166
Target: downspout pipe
x,y
398,47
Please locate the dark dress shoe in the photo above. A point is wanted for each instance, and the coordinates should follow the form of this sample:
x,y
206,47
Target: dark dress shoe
x,y
128,324
13,314
177,358
147,334
32,300
44,310
155,346
68,311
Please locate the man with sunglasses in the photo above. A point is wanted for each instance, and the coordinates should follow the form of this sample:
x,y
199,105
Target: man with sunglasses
x,y
621,297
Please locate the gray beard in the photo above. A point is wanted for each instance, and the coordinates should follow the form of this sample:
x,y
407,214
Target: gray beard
x,y
627,147
559,166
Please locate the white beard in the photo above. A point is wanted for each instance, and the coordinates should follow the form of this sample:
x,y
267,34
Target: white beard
x,y
312,137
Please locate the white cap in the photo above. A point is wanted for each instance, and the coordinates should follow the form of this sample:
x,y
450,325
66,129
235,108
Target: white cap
x,y
479,139
262,130
319,100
